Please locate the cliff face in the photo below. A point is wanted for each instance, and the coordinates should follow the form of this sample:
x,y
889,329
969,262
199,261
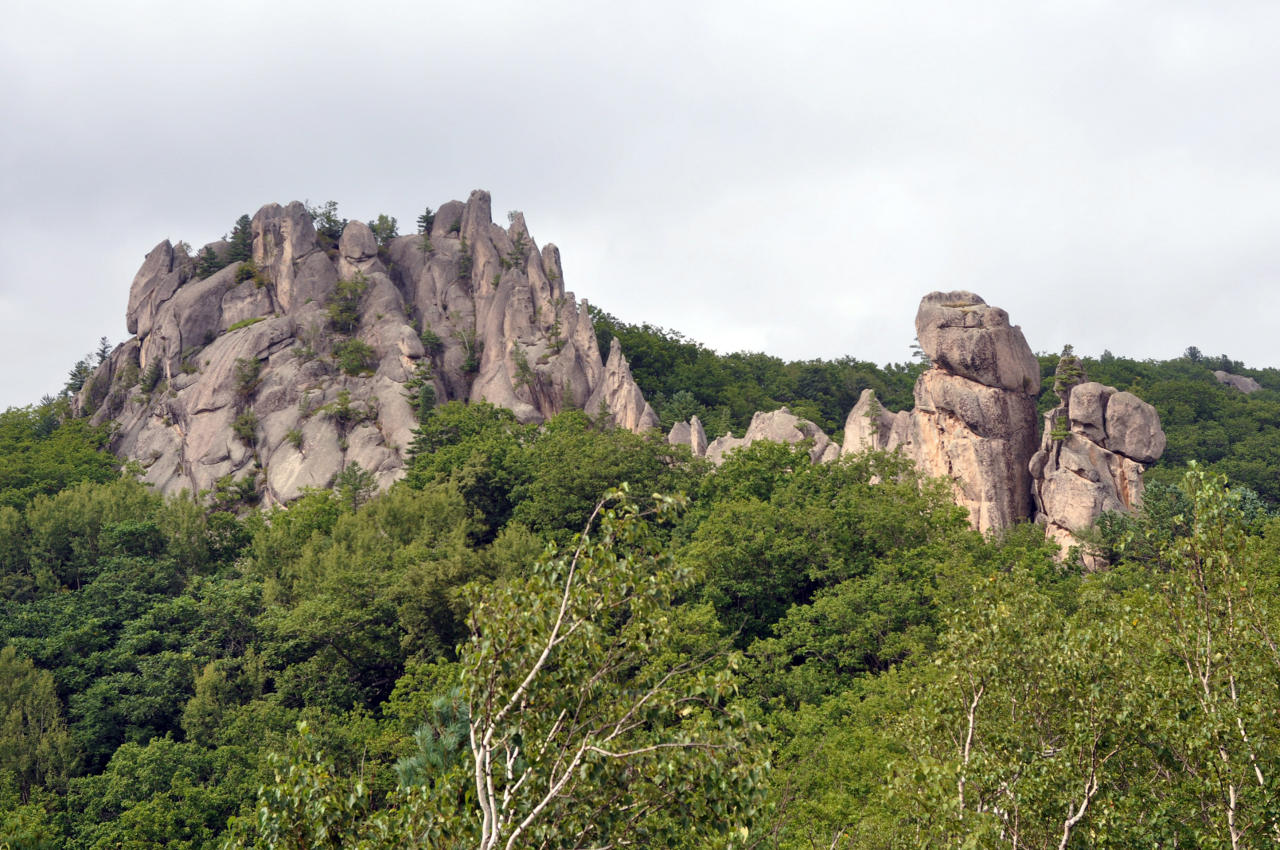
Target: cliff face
x,y
312,358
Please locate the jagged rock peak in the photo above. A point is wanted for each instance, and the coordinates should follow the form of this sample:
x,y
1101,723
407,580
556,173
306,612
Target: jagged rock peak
x,y
617,396
870,426
690,434
322,352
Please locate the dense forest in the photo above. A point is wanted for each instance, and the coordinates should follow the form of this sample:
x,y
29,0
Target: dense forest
x,y
566,636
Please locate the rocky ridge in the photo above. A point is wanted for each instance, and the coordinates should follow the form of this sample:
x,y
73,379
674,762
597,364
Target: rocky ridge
x,y
315,356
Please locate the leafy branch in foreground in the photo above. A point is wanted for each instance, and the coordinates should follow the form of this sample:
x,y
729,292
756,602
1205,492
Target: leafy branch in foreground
x,y
590,726
599,713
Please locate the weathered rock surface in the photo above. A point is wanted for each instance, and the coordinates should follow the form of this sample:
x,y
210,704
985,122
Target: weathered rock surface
x,y
974,418
617,396
1241,382
964,336
232,377
690,434
1091,456
779,426
870,426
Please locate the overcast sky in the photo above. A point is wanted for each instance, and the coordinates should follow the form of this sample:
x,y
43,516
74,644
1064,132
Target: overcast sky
x,y
788,177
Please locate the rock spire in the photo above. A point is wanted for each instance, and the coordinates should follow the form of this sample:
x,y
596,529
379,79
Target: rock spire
x,y
975,409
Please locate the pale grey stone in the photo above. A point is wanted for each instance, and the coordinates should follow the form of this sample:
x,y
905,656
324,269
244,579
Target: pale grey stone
x,y
506,332
1241,382
1133,428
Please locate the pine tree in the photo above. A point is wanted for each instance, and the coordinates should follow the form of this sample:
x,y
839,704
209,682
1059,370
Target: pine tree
x,y
241,241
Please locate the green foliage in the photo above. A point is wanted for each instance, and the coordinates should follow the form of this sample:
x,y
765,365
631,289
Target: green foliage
x,y
471,347
150,377
420,390
580,682
35,750
346,414
524,376
355,485
355,357
246,427
248,375
343,304
426,220
240,247
328,224
208,263
76,378
244,323
570,462
431,342
478,449
466,261
162,794
728,389
43,450
171,644
1068,373
384,229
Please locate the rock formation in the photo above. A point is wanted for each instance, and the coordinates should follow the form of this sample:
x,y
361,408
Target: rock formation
x,y
1092,453
974,420
303,361
690,434
1241,382
779,426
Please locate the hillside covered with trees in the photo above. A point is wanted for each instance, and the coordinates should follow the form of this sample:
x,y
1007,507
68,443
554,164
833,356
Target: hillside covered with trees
x,y
506,649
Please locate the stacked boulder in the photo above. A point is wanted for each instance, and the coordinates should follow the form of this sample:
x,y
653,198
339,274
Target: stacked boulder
x,y
974,420
1091,458
256,371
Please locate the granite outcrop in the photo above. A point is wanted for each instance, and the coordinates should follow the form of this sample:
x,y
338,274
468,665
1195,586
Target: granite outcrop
x,y
1092,455
319,352
974,419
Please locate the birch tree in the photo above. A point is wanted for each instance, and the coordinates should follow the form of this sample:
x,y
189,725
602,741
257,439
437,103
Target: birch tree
x,y
595,721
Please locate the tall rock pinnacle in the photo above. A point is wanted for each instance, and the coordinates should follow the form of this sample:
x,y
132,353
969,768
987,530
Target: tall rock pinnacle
x,y
974,420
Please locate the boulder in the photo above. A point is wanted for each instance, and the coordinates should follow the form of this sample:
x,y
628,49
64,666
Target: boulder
x,y
1241,382
1091,460
1087,409
965,337
778,426
1133,428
